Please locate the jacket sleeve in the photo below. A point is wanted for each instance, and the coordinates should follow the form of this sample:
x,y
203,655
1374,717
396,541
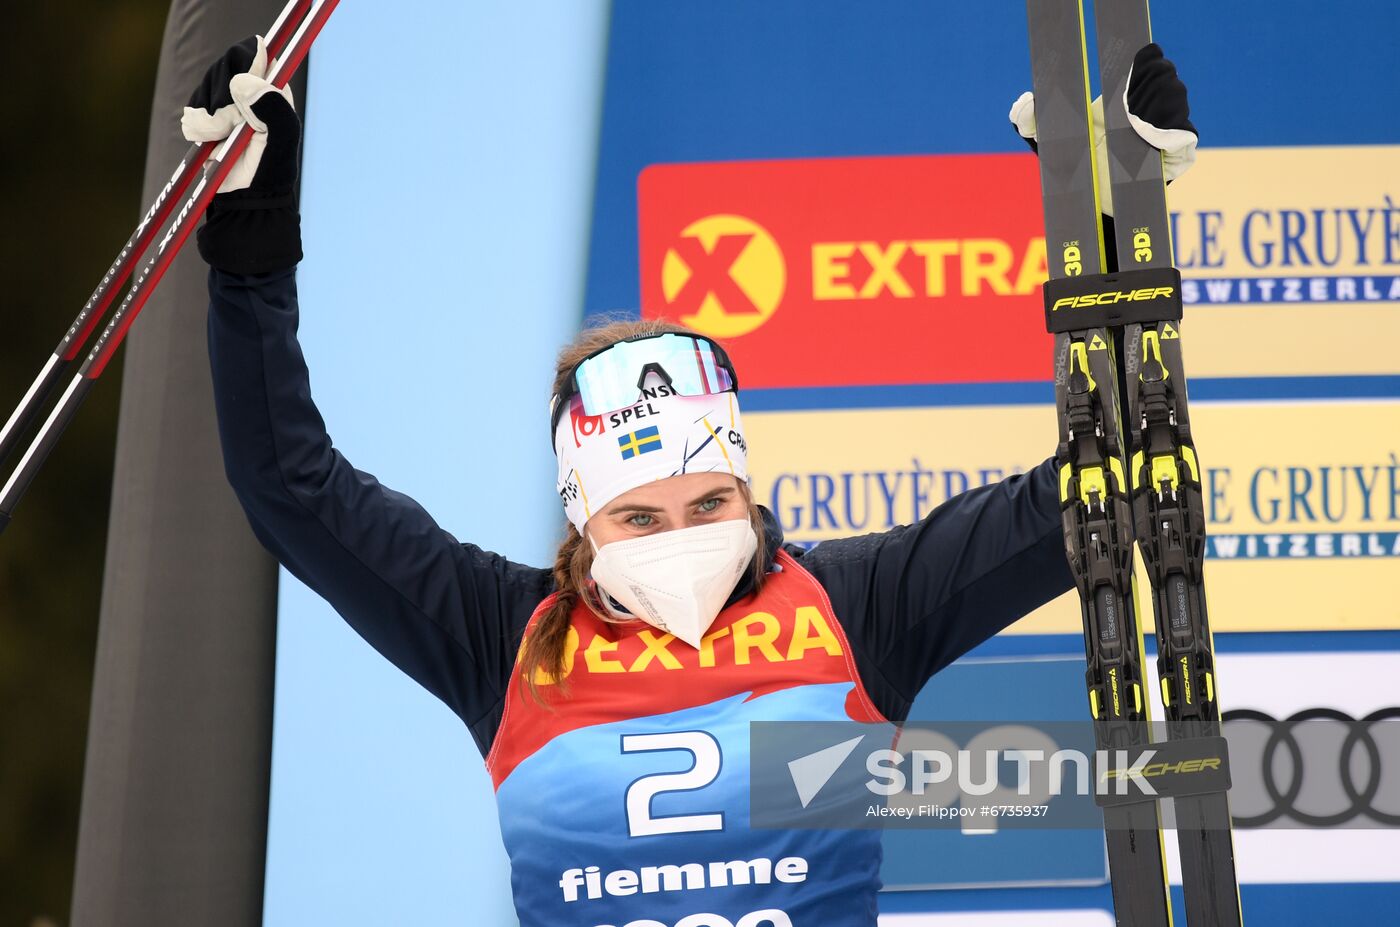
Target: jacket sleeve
x,y
915,598
450,615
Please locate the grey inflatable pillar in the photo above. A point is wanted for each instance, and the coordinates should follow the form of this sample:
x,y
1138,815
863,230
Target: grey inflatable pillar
x,y
175,790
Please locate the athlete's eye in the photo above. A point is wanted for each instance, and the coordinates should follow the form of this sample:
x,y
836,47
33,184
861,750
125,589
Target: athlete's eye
x,y
641,520
710,505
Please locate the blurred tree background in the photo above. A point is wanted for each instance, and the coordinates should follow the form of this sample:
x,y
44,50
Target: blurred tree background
x,y
76,111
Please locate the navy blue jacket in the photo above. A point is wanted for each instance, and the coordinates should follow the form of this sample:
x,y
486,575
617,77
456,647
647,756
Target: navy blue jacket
x,y
452,615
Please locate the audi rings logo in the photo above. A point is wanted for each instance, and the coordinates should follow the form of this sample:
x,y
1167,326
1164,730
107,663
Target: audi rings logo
x,y
1319,767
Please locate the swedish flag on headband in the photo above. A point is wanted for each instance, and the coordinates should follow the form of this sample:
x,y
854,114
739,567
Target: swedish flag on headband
x,y
642,441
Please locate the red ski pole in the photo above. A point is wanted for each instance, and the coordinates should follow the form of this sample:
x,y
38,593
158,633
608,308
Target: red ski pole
x,y
151,222
216,169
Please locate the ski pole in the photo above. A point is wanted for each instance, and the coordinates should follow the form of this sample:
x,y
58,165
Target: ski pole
x,y
216,169
151,222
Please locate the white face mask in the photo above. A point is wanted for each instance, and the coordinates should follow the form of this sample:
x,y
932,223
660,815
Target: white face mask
x,y
677,581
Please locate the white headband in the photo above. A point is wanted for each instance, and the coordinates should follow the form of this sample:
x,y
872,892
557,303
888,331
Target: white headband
x,y
663,435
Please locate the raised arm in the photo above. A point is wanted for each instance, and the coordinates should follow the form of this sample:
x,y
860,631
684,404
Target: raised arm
x,y
915,598
450,615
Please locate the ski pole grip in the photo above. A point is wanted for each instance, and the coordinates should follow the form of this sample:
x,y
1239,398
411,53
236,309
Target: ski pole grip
x,y
1101,300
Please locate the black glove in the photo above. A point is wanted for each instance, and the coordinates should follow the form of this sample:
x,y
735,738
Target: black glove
x,y
1158,110
252,224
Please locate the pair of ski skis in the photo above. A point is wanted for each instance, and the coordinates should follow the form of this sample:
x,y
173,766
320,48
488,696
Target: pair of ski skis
x,y
203,169
1127,464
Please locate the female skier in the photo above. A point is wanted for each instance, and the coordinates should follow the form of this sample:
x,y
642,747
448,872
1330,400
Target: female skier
x,y
673,616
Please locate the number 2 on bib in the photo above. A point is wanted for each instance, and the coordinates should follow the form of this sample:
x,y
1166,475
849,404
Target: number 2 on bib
x,y
706,753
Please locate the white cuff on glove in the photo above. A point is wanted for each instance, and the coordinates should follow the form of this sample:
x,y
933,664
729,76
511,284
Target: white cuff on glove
x,y
1178,146
198,125
1022,115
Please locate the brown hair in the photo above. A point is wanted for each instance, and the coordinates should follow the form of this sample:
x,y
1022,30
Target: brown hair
x,y
543,653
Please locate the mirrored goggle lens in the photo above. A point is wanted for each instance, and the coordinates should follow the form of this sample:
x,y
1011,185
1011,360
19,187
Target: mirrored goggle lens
x,y
633,371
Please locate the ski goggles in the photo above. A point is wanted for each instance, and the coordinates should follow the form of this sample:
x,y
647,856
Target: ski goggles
x,y
615,377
